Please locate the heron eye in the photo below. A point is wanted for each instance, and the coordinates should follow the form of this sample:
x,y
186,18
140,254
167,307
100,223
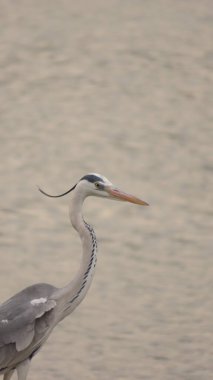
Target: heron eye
x,y
97,185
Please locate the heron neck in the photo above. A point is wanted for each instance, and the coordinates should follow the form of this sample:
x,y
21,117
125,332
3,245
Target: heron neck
x,y
76,290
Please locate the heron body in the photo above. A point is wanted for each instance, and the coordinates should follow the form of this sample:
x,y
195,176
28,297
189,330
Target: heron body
x,y
28,318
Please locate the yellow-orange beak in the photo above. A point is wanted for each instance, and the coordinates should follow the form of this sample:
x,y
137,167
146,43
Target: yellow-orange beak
x,y
120,195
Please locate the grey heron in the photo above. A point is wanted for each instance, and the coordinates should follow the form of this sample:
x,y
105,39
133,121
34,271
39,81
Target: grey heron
x,y
28,318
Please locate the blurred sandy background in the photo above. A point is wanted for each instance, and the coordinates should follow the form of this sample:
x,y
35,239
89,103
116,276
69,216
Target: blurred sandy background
x,y
123,88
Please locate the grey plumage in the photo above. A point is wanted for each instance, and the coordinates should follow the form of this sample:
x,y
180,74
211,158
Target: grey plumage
x,y
23,324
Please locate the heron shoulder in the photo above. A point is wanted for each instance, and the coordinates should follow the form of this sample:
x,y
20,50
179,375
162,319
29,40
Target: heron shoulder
x,y
19,314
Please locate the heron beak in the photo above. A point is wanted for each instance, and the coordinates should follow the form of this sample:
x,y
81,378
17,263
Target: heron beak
x,y
120,195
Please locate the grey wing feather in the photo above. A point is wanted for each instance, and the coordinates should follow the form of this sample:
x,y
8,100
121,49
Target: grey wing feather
x,y
19,313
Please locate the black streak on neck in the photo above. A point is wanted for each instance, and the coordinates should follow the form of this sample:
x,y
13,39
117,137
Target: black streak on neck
x,y
92,262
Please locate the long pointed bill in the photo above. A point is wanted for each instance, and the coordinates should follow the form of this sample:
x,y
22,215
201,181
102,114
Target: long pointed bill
x,y
120,195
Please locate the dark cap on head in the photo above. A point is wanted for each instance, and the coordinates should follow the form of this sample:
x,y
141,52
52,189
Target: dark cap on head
x,y
92,178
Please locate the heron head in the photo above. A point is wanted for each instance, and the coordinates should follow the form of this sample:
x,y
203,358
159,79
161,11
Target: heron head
x,y
98,185
94,184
